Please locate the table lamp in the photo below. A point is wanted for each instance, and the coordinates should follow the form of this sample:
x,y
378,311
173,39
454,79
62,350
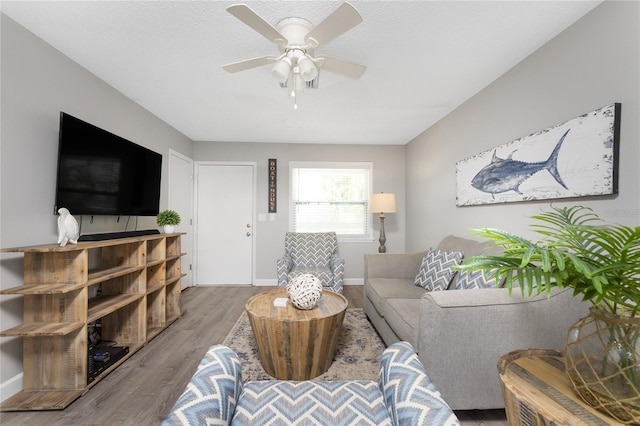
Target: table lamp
x,y
382,203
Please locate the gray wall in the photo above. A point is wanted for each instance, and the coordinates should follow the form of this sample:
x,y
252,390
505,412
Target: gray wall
x,y
388,176
37,83
592,64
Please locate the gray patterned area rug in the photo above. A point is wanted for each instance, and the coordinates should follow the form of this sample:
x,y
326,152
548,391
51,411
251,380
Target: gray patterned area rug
x,y
357,356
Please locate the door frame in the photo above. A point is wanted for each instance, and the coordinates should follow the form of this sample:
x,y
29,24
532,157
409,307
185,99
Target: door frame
x,y
186,222
196,180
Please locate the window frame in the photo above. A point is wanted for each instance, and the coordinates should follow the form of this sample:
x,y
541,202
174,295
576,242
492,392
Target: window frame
x,y
368,235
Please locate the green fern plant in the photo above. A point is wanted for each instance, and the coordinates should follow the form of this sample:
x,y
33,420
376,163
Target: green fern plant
x,y
168,217
600,262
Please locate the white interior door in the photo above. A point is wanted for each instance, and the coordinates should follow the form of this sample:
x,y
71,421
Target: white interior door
x,y
224,215
180,199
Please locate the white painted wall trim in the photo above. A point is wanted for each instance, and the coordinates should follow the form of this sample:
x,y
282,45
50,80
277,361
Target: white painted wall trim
x,y
274,282
265,282
187,225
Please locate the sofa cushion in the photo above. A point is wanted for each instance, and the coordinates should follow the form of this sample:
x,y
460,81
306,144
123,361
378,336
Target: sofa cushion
x,y
403,316
465,280
311,402
380,290
467,247
324,274
437,269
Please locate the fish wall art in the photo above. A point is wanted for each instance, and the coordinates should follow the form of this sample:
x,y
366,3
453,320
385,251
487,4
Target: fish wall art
x,y
577,158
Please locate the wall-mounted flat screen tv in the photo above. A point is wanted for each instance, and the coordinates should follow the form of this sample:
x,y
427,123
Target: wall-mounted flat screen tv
x,y
100,173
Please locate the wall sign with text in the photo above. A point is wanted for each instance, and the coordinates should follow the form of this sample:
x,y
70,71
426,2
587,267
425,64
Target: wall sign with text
x,y
273,185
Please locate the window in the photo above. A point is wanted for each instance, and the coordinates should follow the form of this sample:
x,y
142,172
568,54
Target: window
x,y
330,197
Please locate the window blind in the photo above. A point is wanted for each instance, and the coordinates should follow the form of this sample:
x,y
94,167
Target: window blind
x,y
330,197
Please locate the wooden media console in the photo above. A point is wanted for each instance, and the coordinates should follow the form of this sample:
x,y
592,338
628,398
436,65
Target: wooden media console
x,y
131,286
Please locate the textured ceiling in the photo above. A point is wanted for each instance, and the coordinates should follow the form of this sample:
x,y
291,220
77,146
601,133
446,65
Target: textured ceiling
x,y
424,59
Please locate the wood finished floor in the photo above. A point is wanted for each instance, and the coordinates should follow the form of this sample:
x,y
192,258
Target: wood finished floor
x,y
143,389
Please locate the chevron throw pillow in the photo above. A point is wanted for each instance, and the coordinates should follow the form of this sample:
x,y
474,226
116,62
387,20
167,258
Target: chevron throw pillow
x,y
475,279
437,269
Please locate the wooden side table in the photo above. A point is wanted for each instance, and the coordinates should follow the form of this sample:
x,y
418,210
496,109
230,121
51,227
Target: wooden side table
x,y
538,392
296,344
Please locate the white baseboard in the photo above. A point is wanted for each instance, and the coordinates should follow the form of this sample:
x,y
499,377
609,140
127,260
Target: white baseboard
x,y
11,387
274,282
265,282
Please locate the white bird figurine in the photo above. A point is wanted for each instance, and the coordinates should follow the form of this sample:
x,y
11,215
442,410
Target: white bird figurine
x,y
68,229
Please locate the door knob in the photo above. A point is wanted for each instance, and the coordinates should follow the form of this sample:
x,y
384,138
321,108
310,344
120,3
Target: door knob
x,y
248,234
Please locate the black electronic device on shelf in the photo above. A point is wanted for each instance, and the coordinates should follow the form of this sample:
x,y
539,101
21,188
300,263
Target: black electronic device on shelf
x,y
103,357
114,235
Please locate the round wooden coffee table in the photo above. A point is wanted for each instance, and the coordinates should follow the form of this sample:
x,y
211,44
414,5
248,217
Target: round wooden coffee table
x,y
296,344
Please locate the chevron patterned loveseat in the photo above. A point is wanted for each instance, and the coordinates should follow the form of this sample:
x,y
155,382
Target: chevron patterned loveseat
x,y
313,253
403,395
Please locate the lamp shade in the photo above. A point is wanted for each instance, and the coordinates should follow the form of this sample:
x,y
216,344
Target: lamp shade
x,y
382,203
281,70
308,70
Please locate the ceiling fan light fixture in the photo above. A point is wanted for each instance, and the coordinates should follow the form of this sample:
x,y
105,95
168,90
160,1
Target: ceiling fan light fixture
x,y
282,69
296,38
308,70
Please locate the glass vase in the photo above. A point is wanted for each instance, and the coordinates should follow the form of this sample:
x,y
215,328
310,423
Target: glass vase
x,y
601,355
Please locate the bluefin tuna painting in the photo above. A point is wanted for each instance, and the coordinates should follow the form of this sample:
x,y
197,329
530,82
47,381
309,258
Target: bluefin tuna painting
x,y
577,158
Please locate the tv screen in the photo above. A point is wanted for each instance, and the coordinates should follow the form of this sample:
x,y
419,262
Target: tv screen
x,y
100,173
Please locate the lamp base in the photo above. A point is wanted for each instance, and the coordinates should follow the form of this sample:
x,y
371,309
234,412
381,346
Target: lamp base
x,y
383,239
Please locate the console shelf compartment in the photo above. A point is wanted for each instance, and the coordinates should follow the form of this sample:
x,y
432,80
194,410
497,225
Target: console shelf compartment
x,y
98,276
135,289
43,289
104,305
174,279
43,329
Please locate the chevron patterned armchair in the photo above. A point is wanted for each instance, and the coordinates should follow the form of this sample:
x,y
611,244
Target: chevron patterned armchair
x,y
313,253
403,395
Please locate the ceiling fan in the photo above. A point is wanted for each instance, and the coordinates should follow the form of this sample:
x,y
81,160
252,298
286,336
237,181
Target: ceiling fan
x,y
296,38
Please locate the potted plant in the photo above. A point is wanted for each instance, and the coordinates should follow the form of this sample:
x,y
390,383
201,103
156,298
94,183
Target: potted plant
x,y
601,263
168,220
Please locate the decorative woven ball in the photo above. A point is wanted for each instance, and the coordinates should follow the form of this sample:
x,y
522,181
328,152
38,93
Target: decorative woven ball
x,y
304,291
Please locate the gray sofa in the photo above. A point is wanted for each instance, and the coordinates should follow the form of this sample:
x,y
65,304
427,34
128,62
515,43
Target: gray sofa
x,y
461,334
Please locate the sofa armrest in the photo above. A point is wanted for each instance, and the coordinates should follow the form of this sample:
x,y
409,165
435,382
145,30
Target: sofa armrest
x,y
463,334
337,267
212,394
392,265
336,264
283,266
409,395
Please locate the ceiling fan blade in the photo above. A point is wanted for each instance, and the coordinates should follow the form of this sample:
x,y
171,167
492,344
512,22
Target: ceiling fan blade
x,y
255,21
338,66
339,22
249,63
